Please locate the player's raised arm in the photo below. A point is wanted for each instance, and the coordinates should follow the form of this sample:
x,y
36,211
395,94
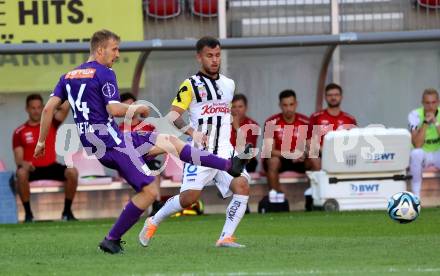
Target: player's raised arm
x,y
46,121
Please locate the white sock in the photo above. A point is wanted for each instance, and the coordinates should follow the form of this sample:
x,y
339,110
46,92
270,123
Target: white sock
x,y
416,169
234,214
171,207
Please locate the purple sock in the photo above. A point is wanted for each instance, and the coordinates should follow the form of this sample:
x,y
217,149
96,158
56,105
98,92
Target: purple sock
x,y
129,216
201,157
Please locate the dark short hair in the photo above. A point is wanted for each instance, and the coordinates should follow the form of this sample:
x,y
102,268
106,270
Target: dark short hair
x,y
286,94
33,97
127,96
331,86
207,41
100,38
240,97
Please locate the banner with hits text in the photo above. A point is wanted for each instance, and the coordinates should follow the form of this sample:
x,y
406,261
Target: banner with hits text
x,y
50,21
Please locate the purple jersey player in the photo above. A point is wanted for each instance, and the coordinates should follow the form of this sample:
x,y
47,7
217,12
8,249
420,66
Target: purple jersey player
x,y
92,91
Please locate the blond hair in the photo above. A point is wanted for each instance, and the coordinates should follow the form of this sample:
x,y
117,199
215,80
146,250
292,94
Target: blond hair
x,y
100,39
430,91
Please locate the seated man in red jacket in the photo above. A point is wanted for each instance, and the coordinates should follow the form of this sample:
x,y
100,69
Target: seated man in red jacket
x,y
29,168
321,122
285,135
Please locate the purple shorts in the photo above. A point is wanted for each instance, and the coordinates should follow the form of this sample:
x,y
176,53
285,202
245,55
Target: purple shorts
x,y
130,161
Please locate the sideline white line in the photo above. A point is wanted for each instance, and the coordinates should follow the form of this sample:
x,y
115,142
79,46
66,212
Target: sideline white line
x,y
390,270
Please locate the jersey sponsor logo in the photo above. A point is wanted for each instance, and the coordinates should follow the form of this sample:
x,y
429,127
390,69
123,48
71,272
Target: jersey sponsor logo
x,y
29,137
87,73
433,141
108,90
210,109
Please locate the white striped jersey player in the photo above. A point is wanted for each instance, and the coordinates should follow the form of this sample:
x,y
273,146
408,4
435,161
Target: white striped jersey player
x,y
208,103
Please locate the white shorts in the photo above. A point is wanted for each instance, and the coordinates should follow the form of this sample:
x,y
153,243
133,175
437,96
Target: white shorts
x,y
197,177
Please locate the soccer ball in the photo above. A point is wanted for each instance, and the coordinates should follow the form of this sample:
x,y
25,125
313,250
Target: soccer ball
x,y
404,207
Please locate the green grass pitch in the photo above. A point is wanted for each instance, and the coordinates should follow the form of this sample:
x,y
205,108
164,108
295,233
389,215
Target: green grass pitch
x,y
297,243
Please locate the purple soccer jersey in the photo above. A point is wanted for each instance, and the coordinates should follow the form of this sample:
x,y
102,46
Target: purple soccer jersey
x,y
89,88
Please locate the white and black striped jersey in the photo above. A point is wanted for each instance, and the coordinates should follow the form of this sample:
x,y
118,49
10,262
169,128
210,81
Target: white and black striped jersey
x,y
208,102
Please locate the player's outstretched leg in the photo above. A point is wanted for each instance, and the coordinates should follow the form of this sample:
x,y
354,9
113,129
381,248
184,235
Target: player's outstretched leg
x,y
173,205
234,212
171,144
130,215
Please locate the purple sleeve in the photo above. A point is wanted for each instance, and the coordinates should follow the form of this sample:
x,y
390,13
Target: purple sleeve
x,y
59,90
109,87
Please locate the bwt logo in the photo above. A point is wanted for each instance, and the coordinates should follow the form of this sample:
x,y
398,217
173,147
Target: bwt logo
x,y
386,156
365,188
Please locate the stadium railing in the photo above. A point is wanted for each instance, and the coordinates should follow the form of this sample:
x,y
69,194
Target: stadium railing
x,y
253,18
147,46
